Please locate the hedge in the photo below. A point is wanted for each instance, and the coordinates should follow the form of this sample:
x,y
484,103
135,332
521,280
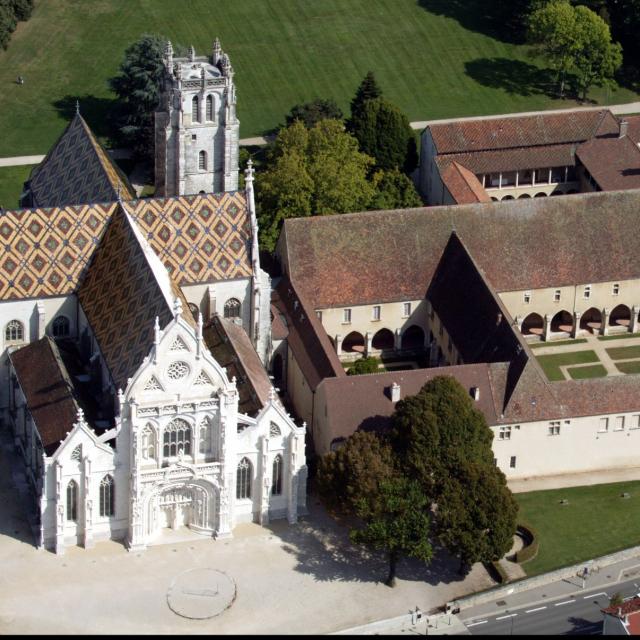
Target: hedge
x,y
530,549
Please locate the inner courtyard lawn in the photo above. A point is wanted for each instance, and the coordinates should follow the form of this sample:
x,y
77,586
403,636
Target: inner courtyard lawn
x,y
592,371
597,521
629,367
559,343
623,353
11,181
283,51
551,363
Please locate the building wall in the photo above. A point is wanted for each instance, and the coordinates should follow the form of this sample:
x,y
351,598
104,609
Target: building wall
x,y
581,446
298,390
430,182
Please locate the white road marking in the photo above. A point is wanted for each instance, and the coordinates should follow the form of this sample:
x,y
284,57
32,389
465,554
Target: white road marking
x,y
559,604
593,595
512,615
534,610
473,624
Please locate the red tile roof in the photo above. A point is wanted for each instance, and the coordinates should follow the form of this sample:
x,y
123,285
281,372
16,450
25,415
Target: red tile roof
x,y
633,130
614,163
462,184
624,609
522,131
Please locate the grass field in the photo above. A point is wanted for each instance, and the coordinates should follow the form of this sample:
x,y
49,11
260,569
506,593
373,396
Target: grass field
x,y
559,343
629,367
622,353
551,363
434,58
11,181
593,371
596,521
620,336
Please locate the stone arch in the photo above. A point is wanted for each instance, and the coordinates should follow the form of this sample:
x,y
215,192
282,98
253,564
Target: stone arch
x,y
540,194
508,198
591,320
572,191
524,195
353,343
533,325
494,199
383,340
562,321
620,316
413,337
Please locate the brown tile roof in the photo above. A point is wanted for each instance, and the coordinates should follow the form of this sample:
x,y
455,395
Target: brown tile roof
x,y
515,159
522,131
462,184
121,294
633,130
48,390
624,609
202,238
333,262
77,170
614,163
279,329
307,339
364,402
231,347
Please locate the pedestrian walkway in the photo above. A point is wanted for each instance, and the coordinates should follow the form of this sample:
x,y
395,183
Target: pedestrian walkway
x,y
606,476
414,622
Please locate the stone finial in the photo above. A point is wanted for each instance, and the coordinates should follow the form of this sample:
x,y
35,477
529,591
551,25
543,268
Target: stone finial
x,y
249,172
272,394
177,308
168,55
192,53
77,107
304,425
226,63
217,51
233,382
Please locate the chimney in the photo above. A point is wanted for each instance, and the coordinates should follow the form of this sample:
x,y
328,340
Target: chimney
x,y
475,393
624,126
395,392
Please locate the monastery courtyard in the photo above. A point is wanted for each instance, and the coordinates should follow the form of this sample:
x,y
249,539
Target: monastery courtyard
x,y
287,579
589,356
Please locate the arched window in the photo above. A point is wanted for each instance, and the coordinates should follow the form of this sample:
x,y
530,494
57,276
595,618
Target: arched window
x,y
202,160
177,436
232,308
209,107
14,331
195,111
61,327
107,495
72,501
274,430
149,444
205,436
243,480
276,478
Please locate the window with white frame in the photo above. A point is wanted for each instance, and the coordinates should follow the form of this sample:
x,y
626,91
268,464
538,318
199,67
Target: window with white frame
x,y
556,295
72,501
232,308
615,290
554,428
195,110
512,462
206,432
243,480
586,294
177,437
527,297
603,425
634,421
618,425
60,327
209,107
107,497
376,312
202,160
504,433
406,309
14,331
276,478
346,315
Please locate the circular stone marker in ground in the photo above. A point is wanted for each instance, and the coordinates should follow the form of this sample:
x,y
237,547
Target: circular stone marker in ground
x,y
201,593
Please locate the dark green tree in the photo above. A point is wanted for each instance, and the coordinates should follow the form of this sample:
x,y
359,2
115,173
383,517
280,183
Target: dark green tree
x,y
395,190
395,521
22,9
137,86
368,90
7,22
384,133
312,112
364,365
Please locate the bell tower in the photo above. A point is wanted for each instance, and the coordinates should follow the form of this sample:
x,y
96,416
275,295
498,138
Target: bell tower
x,y
196,128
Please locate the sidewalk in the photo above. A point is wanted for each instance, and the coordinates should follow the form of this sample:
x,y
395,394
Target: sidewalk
x,y
606,476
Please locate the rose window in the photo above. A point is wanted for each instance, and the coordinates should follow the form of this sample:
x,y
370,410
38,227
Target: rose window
x,y
178,370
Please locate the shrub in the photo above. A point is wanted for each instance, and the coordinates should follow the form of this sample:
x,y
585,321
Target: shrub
x,y
364,365
530,549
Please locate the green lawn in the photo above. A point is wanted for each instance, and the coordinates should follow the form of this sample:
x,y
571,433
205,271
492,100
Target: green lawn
x,y
619,336
622,353
597,521
629,367
593,371
551,363
11,181
284,52
559,343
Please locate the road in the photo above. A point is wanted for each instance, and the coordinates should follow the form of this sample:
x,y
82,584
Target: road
x,y
576,614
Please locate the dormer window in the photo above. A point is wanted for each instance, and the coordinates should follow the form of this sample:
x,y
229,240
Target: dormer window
x,y
527,297
587,292
615,290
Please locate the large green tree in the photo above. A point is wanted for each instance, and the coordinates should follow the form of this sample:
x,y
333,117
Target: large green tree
x,y
137,86
367,90
312,112
394,190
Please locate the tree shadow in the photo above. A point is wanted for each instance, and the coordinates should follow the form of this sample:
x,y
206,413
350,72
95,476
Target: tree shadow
x,y
494,19
322,548
584,627
99,113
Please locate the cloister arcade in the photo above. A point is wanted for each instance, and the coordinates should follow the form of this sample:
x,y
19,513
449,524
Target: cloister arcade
x,y
566,324
354,344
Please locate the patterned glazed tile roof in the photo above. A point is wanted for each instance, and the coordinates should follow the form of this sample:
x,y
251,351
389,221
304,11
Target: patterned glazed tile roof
x,y
121,294
522,131
77,170
204,238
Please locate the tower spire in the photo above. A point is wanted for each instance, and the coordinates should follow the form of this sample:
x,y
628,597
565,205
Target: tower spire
x,y
77,107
